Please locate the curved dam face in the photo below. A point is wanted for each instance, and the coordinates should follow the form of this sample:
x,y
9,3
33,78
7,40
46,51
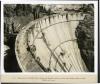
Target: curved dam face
x,y
49,44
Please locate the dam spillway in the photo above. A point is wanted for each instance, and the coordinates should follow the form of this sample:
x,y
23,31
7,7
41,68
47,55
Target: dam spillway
x,y
49,44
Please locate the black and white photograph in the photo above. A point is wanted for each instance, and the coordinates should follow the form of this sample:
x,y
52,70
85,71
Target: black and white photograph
x,y
49,38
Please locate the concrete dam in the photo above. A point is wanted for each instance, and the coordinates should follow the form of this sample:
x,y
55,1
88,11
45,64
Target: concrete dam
x,y
49,44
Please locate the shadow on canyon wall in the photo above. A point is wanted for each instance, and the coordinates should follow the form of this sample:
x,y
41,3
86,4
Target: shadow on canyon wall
x,y
85,38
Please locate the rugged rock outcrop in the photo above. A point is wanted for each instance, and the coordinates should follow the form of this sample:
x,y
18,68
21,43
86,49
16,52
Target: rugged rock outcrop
x,y
85,38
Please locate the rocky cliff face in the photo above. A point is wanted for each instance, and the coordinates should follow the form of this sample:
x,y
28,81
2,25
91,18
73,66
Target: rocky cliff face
x,y
85,39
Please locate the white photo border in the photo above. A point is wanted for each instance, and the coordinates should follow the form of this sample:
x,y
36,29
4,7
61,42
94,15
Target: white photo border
x,y
53,73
